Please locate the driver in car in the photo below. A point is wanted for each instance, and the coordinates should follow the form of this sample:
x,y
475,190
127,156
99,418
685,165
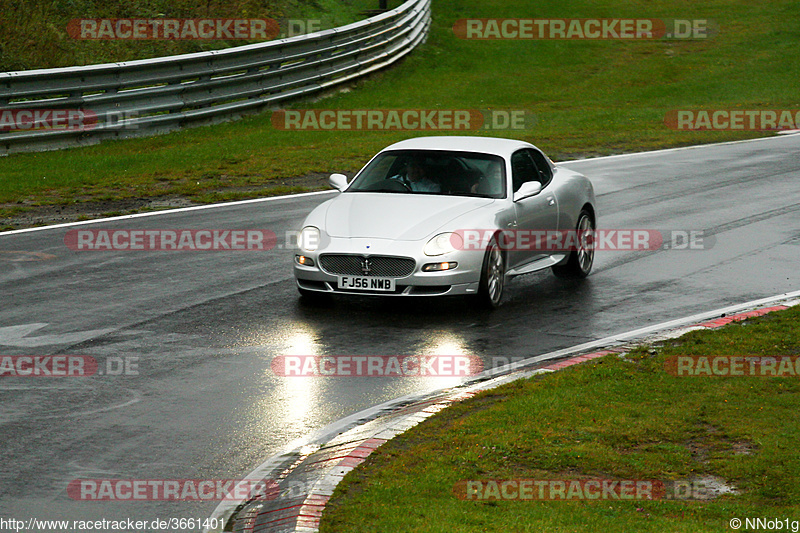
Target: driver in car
x,y
416,180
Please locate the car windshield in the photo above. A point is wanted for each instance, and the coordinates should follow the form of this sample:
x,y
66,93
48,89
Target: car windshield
x,y
434,172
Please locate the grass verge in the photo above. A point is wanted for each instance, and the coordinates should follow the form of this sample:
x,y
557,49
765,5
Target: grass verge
x,y
34,33
614,418
588,98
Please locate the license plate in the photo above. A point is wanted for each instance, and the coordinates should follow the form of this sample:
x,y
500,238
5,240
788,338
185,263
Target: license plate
x,y
366,283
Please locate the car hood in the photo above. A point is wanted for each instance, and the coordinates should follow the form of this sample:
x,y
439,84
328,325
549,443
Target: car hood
x,y
404,217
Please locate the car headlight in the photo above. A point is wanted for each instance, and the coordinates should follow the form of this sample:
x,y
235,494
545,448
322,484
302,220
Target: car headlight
x,y
308,239
443,243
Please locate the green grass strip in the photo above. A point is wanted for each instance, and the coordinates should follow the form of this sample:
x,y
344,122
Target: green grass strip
x,y
612,418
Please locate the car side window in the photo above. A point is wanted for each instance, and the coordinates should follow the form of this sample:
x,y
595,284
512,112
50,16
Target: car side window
x,y
523,169
545,172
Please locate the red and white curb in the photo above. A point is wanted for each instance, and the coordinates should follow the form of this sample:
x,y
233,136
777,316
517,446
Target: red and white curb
x,y
308,472
711,324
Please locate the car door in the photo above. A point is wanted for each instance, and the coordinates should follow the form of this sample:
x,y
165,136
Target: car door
x,y
534,215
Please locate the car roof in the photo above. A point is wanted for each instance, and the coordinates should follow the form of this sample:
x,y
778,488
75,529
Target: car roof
x,y
486,145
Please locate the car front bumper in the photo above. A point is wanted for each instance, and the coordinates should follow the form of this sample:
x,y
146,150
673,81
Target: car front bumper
x,y
461,280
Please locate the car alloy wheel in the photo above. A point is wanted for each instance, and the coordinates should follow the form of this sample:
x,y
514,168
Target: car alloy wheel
x,y
581,258
493,276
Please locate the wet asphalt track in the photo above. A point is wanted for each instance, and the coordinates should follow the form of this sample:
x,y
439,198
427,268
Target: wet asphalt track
x,y
205,325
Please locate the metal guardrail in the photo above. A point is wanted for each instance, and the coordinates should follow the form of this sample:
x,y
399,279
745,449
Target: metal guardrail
x,y
152,96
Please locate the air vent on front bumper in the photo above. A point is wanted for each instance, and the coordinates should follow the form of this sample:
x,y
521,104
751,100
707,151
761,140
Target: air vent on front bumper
x,y
372,265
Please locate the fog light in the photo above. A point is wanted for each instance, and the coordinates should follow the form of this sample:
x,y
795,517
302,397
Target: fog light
x,y
438,267
303,260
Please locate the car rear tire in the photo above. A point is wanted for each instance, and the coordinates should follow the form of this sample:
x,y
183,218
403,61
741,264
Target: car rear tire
x,y
493,276
581,259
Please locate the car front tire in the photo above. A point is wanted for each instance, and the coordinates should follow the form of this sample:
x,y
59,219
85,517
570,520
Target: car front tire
x,y
493,276
581,259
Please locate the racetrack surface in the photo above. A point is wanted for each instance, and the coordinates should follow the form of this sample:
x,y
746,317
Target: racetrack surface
x,y
205,326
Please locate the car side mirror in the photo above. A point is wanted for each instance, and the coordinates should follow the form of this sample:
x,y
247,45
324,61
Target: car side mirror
x,y
338,181
529,188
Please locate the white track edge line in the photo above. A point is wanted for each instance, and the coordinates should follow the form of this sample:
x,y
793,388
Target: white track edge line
x,y
164,212
290,196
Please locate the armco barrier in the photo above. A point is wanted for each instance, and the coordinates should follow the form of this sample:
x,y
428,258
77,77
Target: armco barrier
x,y
146,97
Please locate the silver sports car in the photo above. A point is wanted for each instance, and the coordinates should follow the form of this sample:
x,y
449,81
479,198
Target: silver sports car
x,y
448,216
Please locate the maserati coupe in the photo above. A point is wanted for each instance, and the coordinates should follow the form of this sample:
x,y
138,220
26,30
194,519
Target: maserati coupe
x,y
437,216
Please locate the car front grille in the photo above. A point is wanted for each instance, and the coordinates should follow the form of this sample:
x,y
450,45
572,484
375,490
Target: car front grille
x,y
371,265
